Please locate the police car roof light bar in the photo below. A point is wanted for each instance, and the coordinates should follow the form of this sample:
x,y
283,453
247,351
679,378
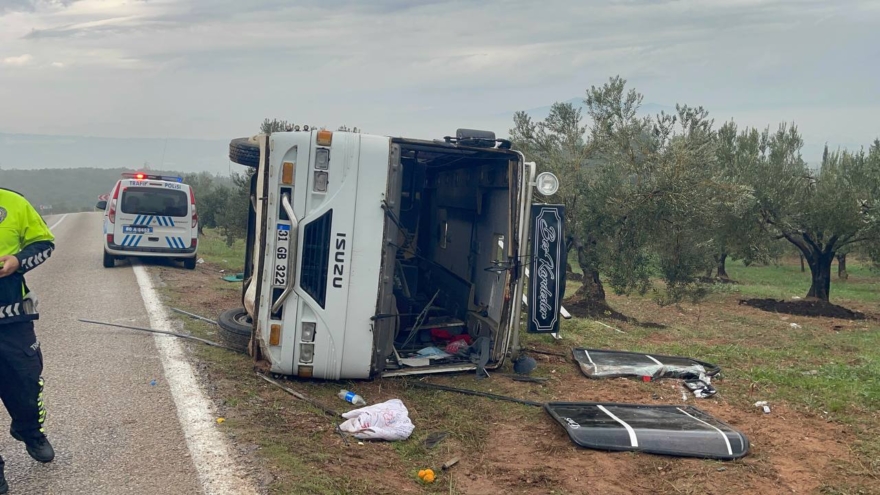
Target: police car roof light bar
x,y
143,176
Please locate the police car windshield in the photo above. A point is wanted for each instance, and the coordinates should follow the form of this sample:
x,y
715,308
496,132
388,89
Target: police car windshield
x,y
154,201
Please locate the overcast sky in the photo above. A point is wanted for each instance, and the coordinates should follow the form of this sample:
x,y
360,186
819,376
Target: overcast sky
x,y
216,68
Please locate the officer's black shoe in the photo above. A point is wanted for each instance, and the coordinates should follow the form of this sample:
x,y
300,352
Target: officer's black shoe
x,y
39,448
4,486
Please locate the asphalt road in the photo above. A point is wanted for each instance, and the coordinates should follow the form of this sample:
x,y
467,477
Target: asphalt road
x,y
113,430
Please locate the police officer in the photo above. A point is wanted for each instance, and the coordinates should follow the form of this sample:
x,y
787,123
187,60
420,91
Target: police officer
x,y
25,243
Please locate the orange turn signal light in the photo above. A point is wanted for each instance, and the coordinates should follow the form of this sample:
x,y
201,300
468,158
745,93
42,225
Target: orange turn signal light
x,y
275,334
325,137
287,169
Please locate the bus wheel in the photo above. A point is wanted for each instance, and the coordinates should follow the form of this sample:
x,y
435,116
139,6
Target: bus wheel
x,y
235,328
244,152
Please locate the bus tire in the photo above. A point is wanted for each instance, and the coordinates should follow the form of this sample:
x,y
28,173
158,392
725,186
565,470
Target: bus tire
x,y
109,260
235,329
244,152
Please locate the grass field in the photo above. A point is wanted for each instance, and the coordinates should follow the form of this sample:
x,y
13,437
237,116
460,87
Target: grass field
x,y
821,377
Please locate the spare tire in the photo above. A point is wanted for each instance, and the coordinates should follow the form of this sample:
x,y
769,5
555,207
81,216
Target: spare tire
x,y
243,152
235,329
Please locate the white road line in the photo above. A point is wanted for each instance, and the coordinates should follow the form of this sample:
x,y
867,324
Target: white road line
x,y
726,440
652,359
217,471
58,222
632,433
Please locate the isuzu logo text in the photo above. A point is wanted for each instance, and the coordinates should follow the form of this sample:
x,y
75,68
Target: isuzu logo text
x,y
339,261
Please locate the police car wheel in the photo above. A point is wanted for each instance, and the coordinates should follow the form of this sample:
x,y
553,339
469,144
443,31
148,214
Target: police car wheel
x,y
109,260
190,263
235,329
244,152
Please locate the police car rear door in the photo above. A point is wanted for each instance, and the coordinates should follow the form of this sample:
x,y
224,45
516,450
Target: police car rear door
x,y
154,214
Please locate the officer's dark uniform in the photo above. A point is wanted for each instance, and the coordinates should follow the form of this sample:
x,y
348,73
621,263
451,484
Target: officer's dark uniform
x,y
24,236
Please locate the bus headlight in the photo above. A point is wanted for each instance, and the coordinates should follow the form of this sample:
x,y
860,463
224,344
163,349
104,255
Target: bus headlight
x,y
320,183
306,353
308,331
547,183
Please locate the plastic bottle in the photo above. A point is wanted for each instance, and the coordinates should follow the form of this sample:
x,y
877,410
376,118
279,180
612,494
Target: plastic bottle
x,y
352,397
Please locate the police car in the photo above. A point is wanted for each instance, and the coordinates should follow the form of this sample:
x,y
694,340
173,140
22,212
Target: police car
x,y
150,216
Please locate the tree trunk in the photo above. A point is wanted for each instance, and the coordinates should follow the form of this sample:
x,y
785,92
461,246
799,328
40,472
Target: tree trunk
x,y
803,269
722,271
820,269
841,267
591,293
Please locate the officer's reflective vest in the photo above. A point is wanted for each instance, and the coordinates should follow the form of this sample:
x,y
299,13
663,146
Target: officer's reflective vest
x,y
23,234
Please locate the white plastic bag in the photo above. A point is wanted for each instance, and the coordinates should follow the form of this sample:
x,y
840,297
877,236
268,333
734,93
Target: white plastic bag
x,y
386,421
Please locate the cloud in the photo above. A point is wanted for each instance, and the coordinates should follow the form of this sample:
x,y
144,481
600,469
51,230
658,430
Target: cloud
x,y
57,65
99,28
32,5
18,61
420,68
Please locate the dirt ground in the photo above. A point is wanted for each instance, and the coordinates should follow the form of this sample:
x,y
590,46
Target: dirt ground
x,y
804,308
503,447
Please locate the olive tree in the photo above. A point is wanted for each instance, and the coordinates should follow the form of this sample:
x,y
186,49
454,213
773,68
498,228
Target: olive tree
x,y
737,231
821,212
637,190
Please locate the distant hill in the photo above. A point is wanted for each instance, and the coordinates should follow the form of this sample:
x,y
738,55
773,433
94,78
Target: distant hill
x,y
64,190
30,151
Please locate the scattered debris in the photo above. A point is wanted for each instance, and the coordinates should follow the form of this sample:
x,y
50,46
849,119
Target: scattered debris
x,y
192,315
811,373
388,420
300,396
150,330
667,430
608,326
351,397
426,475
415,362
448,464
435,438
238,277
153,383
794,325
475,393
700,388
220,421
548,353
433,353
530,379
763,405
524,365
342,435
200,261
597,363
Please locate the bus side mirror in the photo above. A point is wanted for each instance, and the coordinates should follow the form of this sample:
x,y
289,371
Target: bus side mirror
x,y
102,205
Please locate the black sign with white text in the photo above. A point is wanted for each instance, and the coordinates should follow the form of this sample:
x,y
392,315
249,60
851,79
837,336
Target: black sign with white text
x,y
547,270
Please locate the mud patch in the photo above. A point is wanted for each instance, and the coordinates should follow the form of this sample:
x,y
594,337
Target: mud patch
x,y
811,308
587,309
